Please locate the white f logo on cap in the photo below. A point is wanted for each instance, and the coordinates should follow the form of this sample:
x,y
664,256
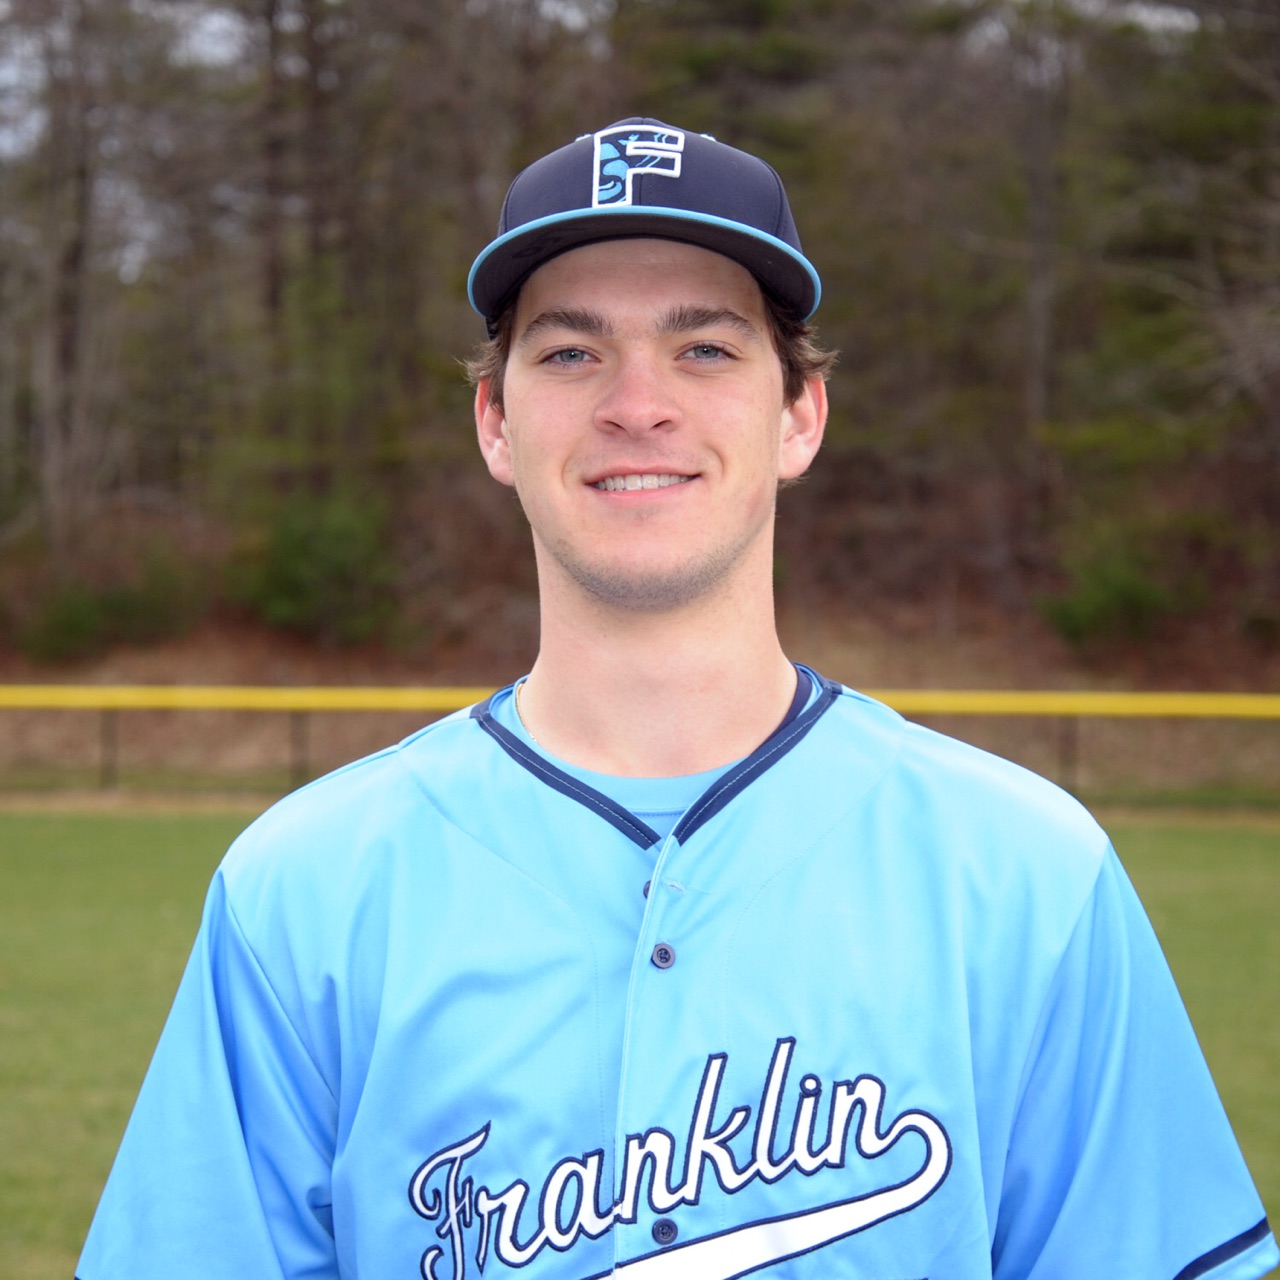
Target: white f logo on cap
x,y
626,150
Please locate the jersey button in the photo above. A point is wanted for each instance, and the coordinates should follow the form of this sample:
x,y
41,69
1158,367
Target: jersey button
x,y
665,1231
647,883
664,955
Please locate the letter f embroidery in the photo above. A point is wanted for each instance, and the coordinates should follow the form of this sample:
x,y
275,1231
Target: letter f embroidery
x,y
627,150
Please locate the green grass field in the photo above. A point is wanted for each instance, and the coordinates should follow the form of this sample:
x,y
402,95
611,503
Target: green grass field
x,y
98,910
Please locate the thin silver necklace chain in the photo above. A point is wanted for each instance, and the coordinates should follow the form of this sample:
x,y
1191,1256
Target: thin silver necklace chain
x,y
520,716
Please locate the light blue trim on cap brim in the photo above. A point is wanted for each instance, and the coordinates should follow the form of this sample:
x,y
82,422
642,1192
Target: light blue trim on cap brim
x,y
658,214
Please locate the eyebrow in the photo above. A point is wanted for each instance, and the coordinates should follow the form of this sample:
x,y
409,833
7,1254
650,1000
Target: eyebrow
x,y
687,319
681,319
575,319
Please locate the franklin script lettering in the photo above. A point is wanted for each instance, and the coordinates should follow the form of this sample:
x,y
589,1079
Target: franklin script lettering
x,y
515,1224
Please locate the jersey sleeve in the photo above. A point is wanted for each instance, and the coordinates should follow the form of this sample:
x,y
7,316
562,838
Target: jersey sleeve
x,y
1121,1160
224,1169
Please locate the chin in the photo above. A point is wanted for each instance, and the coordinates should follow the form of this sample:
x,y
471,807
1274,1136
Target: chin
x,y
648,591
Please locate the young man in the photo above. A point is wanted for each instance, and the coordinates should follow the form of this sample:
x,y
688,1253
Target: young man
x,y
674,960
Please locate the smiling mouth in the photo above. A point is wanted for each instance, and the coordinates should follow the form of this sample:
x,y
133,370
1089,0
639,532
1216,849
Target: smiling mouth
x,y
615,484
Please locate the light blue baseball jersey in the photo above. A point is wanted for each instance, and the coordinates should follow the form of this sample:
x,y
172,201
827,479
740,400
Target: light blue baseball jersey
x,y
880,1006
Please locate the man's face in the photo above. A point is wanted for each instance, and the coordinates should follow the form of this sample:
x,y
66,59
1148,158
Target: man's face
x,y
643,423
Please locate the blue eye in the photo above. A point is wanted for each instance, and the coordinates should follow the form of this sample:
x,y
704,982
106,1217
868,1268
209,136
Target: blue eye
x,y
707,351
570,355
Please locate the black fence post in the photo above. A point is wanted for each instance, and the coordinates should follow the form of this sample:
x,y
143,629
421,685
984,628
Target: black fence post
x,y
299,763
109,748
1069,752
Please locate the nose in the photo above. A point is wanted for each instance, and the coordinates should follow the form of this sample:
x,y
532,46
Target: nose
x,y
636,398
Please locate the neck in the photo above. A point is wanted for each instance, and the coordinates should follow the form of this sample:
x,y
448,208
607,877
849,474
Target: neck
x,y
657,695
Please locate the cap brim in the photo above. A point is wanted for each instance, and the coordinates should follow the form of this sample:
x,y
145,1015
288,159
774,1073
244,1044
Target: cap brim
x,y
504,265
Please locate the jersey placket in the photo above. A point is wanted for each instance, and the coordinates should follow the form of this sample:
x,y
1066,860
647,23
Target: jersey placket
x,y
659,976
673,983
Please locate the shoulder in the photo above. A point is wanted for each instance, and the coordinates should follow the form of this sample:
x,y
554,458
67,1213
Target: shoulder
x,y
359,820
944,769
324,881
964,808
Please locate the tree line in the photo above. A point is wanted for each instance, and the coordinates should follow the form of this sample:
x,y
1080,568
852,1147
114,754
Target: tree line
x,y
234,238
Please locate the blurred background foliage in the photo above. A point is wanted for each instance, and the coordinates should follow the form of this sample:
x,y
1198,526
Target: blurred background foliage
x,y
234,240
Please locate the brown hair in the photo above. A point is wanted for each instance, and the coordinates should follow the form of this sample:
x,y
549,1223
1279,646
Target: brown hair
x,y
795,341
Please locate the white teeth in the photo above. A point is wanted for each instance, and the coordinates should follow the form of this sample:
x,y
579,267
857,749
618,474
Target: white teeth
x,y
613,484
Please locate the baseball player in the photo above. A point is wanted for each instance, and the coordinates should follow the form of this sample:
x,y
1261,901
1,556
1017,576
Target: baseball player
x,y
675,960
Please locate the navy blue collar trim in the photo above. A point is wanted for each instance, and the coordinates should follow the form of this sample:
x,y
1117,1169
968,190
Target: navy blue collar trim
x,y
797,722
626,822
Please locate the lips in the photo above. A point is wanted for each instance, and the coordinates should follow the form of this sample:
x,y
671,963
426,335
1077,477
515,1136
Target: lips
x,y
638,480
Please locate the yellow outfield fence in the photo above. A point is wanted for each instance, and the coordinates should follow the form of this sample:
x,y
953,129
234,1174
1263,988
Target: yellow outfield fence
x,y
1068,702
216,697
1067,707
979,702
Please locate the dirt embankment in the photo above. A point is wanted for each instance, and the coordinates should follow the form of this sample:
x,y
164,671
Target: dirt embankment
x,y
265,753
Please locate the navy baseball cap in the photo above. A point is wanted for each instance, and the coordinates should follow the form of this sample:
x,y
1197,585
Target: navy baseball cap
x,y
641,177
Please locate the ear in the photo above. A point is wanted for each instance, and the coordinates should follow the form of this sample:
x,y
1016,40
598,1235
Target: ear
x,y
803,423
491,431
